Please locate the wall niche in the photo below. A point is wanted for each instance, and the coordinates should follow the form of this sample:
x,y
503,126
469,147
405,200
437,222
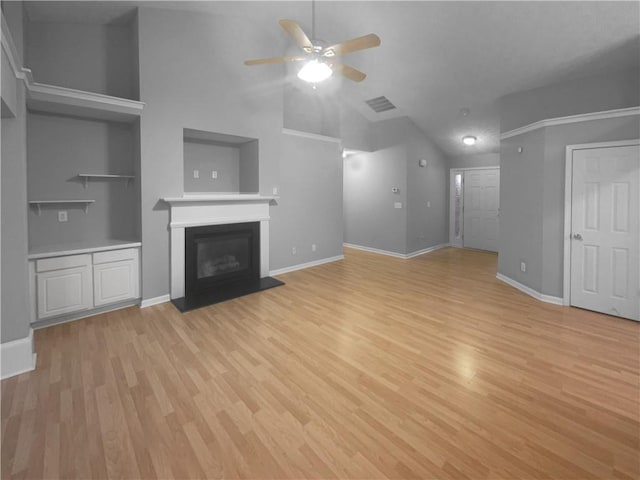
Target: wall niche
x,y
219,163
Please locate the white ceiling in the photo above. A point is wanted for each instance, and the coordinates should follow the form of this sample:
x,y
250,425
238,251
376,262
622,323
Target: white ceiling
x,y
436,58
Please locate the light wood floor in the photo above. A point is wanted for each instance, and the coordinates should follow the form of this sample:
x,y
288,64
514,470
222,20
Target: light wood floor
x,y
366,368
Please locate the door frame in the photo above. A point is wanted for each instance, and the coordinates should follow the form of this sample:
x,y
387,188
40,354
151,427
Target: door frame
x,y
568,183
452,172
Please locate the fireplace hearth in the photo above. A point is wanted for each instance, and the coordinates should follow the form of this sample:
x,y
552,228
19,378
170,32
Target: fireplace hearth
x,y
221,262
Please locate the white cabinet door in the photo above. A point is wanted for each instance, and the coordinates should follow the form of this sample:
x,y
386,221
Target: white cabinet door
x,y
64,291
115,282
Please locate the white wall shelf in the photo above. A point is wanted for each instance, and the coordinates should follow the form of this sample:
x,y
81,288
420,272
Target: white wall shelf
x,y
86,176
39,203
68,101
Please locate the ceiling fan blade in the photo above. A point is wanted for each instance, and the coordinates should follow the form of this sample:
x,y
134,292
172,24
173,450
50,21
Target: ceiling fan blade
x,y
353,45
296,32
349,72
260,61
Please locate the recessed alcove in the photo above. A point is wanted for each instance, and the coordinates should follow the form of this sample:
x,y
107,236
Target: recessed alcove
x,y
219,163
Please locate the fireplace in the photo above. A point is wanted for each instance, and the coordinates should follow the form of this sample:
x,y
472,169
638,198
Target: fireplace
x,y
219,227
220,255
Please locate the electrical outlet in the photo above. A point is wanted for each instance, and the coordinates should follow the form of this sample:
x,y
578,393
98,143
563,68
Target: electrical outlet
x,y
523,267
397,205
293,250
62,216
428,204
214,174
313,247
196,174
275,190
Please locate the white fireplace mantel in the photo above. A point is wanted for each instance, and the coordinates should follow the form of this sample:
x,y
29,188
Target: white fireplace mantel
x,y
202,209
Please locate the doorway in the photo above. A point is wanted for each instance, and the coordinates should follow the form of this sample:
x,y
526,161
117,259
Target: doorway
x,y
602,228
474,208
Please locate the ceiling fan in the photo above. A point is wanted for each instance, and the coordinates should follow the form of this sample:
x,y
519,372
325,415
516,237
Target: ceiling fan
x,y
321,62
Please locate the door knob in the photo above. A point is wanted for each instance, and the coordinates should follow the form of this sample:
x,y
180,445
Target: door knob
x,y
577,236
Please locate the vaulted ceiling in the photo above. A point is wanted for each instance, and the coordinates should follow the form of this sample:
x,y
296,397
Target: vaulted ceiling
x,y
436,58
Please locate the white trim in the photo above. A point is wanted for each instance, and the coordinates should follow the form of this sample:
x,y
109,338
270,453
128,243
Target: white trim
x,y
583,117
17,356
302,266
149,302
568,181
530,291
426,250
220,198
314,136
374,250
403,256
218,221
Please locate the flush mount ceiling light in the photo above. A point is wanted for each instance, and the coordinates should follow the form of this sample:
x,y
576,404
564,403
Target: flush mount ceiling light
x,y
469,140
315,72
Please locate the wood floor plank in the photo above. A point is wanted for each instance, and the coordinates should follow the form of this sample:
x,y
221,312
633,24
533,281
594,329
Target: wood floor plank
x,y
370,367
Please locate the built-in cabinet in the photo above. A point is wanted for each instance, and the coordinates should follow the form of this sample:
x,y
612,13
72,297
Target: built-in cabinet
x,y
65,285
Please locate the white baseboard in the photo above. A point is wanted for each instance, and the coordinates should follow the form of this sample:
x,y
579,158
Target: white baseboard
x,y
17,356
530,291
302,266
426,250
149,302
374,250
404,256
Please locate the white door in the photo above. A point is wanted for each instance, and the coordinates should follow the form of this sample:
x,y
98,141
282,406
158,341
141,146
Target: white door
x,y
481,206
605,241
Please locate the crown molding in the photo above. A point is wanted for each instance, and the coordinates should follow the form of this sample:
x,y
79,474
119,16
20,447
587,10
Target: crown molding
x,y
583,117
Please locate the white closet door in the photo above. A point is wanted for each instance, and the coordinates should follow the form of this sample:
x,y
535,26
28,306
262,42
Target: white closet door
x,y
481,207
605,242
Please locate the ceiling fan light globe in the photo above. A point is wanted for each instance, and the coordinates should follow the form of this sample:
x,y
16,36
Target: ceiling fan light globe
x,y
469,140
315,72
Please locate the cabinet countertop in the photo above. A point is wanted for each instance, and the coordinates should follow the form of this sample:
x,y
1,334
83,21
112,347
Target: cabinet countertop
x,y
74,248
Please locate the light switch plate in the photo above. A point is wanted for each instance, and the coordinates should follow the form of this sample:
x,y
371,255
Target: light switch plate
x,y
214,174
196,174
62,216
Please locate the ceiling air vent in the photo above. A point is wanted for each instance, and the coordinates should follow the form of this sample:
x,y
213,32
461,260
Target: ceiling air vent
x,y
380,104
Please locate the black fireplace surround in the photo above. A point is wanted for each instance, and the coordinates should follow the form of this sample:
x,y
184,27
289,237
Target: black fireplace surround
x,y
218,254
221,262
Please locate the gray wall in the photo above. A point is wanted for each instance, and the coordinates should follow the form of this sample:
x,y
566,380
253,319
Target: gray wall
x,y
207,157
313,111
473,161
556,139
58,149
521,197
370,219
95,58
427,223
309,210
355,130
13,191
369,215
532,198
609,91
224,96
532,182
250,167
